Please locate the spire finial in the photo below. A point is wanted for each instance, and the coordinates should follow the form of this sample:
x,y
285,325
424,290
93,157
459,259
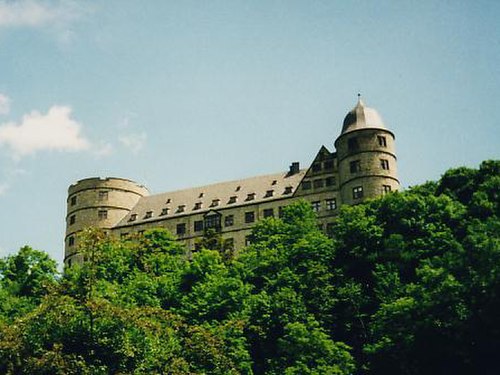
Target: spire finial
x,y
360,102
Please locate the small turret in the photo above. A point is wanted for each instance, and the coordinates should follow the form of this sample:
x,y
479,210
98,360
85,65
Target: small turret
x,y
366,156
99,203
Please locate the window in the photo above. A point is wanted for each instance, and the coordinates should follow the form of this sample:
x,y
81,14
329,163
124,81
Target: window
x,y
168,201
69,262
201,195
73,200
181,208
318,184
250,197
288,190
382,142
198,225
328,165
268,212
215,203
248,240
133,217
269,193
164,211
72,219
238,188
384,164
316,167
316,206
232,199
357,192
71,241
102,214
306,185
331,204
249,217
355,166
280,211
181,229
148,215
229,220
352,144
197,206
274,182
212,221
330,181
103,195
386,189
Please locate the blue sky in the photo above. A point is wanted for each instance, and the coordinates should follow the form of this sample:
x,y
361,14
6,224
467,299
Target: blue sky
x,y
175,94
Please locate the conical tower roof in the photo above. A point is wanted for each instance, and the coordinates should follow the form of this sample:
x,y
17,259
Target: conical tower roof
x,y
362,117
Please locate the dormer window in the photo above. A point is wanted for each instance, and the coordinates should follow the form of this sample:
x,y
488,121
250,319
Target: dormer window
x,y
201,195
288,190
232,199
269,193
181,208
250,197
133,217
164,211
274,182
197,205
215,203
149,214
238,188
168,201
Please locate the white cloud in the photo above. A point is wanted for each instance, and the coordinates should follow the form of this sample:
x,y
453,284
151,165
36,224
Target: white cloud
x,y
55,130
4,104
134,142
38,13
103,149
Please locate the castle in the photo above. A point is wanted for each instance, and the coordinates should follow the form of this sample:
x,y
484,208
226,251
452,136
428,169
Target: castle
x,y
363,166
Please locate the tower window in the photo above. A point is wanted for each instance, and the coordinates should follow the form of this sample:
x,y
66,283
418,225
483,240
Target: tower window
x,y
384,164
382,141
181,229
198,225
103,195
229,220
330,181
352,144
102,214
72,219
357,192
148,215
306,185
249,217
355,166
268,212
318,184
331,204
73,200
386,189
71,241
316,206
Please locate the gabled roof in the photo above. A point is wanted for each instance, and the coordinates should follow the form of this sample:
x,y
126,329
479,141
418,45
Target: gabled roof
x,y
215,197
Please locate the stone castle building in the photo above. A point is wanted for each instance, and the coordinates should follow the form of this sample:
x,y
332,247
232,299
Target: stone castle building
x,y
362,166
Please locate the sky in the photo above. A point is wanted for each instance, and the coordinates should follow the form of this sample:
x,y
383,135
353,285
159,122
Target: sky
x,y
176,94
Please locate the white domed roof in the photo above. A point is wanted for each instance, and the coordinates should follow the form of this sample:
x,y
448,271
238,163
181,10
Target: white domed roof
x,y
361,117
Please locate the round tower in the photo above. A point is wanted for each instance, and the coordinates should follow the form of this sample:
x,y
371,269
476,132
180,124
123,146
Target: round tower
x,y
366,156
99,203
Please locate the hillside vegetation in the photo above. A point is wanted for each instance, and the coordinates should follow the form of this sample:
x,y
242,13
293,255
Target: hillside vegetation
x,y
409,284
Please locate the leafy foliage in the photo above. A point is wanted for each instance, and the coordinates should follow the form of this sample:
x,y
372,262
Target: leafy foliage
x,y
410,284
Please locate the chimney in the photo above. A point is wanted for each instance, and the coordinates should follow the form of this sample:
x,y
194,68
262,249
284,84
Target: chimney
x,y
294,168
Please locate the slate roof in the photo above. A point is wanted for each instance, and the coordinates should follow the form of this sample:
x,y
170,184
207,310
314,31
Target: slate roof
x,y
362,117
213,197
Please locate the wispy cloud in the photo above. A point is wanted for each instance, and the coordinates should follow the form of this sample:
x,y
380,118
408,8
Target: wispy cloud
x,y
4,104
134,142
55,130
3,188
